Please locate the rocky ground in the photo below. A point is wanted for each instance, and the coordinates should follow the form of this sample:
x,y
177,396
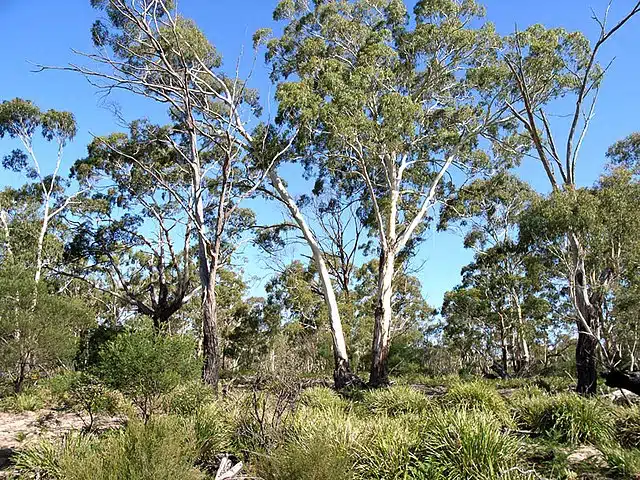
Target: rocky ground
x,y
18,429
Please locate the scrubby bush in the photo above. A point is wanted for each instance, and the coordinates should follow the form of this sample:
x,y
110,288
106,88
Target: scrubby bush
x,y
467,444
85,394
144,366
396,400
567,418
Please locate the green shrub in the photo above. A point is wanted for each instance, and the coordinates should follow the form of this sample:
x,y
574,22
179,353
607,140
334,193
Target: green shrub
x,y
85,394
567,418
478,395
322,398
144,366
163,449
188,398
466,444
396,400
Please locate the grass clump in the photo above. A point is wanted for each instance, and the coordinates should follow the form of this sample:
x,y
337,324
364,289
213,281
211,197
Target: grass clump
x,y
478,395
396,400
467,444
188,398
567,418
322,398
624,464
27,401
627,426
162,449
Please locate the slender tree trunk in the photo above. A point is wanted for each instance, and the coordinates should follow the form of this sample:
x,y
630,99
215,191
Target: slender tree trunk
x,y
379,375
210,373
588,322
504,348
342,375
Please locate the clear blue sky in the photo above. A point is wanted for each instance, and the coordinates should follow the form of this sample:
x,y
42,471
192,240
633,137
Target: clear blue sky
x,y
42,31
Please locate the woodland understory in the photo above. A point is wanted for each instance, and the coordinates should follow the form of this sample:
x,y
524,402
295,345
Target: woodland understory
x,y
132,344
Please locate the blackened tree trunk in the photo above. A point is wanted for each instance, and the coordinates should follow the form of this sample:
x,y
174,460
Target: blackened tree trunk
x,y
586,354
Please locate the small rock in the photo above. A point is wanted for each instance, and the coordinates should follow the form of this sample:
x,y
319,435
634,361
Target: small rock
x,y
587,455
622,397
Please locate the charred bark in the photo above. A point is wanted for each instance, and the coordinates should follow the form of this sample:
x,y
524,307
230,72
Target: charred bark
x,y
619,379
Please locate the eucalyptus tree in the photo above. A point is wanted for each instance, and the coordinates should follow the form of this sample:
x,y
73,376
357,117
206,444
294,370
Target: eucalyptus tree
x,y
517,289
133,239
392,102
540,66
147,48
42,201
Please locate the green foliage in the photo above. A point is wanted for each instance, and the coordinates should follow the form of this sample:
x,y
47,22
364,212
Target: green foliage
x,y
214,431
164,448
188,398
478,395
38,330
85,393
144,366
467,444
396,400
322,398
29,400
567,418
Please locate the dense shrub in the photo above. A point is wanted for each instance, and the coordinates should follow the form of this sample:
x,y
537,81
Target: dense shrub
x,y
567,418
396,400
144,366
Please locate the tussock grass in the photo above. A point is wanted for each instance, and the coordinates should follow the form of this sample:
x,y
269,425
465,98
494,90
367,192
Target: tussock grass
x,y
567,418
396,400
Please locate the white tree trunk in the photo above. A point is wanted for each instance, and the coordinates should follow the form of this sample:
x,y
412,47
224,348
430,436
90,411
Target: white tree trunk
x,y
342,372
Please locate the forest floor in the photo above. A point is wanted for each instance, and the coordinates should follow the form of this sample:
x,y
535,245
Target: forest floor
x,y
20,429
550,457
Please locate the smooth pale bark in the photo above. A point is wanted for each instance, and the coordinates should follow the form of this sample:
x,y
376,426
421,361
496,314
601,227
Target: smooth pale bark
x,y
379,374
342,374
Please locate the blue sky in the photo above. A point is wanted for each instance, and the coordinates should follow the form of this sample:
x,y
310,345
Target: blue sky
x,y
41,31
